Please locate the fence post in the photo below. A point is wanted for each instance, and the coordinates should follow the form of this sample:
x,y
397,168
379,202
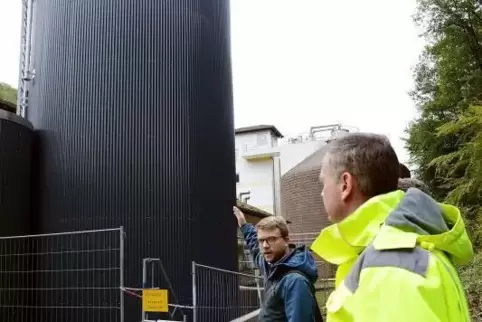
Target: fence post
x,y
121,279
144,284
194,293
256,274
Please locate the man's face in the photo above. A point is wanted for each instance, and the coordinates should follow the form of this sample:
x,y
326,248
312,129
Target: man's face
x,y
335,192
272,245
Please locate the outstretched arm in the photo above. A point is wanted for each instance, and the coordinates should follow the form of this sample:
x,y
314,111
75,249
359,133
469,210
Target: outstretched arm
x,y
250,236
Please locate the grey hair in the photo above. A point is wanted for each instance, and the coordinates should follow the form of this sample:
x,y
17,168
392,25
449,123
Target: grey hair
x,y
368,157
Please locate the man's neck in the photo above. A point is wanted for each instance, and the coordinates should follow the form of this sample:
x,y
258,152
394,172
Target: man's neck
x,y
286,253
355,204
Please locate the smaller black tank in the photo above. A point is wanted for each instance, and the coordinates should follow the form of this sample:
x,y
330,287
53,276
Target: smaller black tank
x,y
16,136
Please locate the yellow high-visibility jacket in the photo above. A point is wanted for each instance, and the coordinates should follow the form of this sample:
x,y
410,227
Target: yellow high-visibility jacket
x,y
395,257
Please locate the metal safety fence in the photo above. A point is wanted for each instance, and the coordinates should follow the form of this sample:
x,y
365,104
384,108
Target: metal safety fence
x,y
224,295
72,276
157,296
79,276
326,271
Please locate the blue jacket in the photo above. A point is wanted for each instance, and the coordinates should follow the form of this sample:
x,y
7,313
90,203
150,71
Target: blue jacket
x,y
288,296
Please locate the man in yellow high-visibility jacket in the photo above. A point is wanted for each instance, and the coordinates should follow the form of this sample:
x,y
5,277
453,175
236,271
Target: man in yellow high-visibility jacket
x,y
395,250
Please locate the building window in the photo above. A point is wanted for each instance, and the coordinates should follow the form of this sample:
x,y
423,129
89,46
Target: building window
x,y
237,177
262,139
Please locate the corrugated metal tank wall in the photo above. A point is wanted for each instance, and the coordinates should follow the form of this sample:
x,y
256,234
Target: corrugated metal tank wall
x,y
16,137
132,101
302,204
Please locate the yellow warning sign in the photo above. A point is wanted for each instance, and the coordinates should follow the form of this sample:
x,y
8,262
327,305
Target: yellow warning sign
x,y
154,300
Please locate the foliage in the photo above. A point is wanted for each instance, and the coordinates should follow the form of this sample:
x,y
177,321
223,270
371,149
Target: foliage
x,y
470,277
445,141
448,79
460,170
8,93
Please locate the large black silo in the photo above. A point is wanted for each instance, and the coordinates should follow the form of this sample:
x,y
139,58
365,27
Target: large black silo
x,y
16,137
132,102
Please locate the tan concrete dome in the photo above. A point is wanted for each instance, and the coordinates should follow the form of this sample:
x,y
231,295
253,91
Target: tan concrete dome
x,y
302,203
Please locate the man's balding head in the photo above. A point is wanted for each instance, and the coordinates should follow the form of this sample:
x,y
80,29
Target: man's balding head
x,y
355,168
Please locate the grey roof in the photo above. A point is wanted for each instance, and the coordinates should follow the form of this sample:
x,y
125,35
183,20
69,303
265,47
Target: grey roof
x,y
251,210
258,128
7,106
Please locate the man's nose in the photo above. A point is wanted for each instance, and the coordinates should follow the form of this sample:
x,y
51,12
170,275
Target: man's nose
x,y
265,244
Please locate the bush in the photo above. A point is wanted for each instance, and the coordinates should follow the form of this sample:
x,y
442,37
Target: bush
x,y
470,277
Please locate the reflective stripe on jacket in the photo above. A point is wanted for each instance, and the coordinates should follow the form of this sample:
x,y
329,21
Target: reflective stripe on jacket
x,y
395,257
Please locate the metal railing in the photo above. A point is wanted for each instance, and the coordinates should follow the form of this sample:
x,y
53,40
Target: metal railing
x,y
79,276
72,276
326,271
224,295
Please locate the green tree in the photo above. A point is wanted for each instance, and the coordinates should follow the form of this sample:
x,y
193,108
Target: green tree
x,y
8,93
445,141
460,170
448,79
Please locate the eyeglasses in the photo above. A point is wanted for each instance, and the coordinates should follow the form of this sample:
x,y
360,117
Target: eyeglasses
x,y
269,240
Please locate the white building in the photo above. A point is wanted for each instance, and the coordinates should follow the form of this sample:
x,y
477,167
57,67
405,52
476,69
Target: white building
x,y
262,158
257,162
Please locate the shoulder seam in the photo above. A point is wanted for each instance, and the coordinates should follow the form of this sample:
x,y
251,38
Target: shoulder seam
x,y
414,260
299,274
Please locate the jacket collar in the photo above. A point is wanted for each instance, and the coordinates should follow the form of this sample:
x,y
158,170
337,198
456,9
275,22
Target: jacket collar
x,y
345,240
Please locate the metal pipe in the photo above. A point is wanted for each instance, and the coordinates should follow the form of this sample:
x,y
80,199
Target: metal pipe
x,y
260,298
224,270
144,283
121,264
22,111
79,232
277,185
246,193
152,276
194,291
273,185
320,128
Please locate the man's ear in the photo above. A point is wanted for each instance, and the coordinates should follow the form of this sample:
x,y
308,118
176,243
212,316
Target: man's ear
x,y
347,181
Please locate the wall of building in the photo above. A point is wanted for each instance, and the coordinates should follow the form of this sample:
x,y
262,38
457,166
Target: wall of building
x,y
255,176
253,141
302,204
292,154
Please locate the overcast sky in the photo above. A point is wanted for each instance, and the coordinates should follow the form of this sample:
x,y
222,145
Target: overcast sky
x,y
300,63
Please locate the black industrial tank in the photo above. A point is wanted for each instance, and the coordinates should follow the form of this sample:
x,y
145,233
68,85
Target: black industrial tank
x,y
16,137
132,102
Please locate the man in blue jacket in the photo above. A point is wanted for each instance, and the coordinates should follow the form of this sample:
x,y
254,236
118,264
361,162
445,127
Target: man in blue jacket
x,y
289,272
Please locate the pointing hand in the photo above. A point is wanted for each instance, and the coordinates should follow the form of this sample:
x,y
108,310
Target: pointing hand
x,y
239,216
